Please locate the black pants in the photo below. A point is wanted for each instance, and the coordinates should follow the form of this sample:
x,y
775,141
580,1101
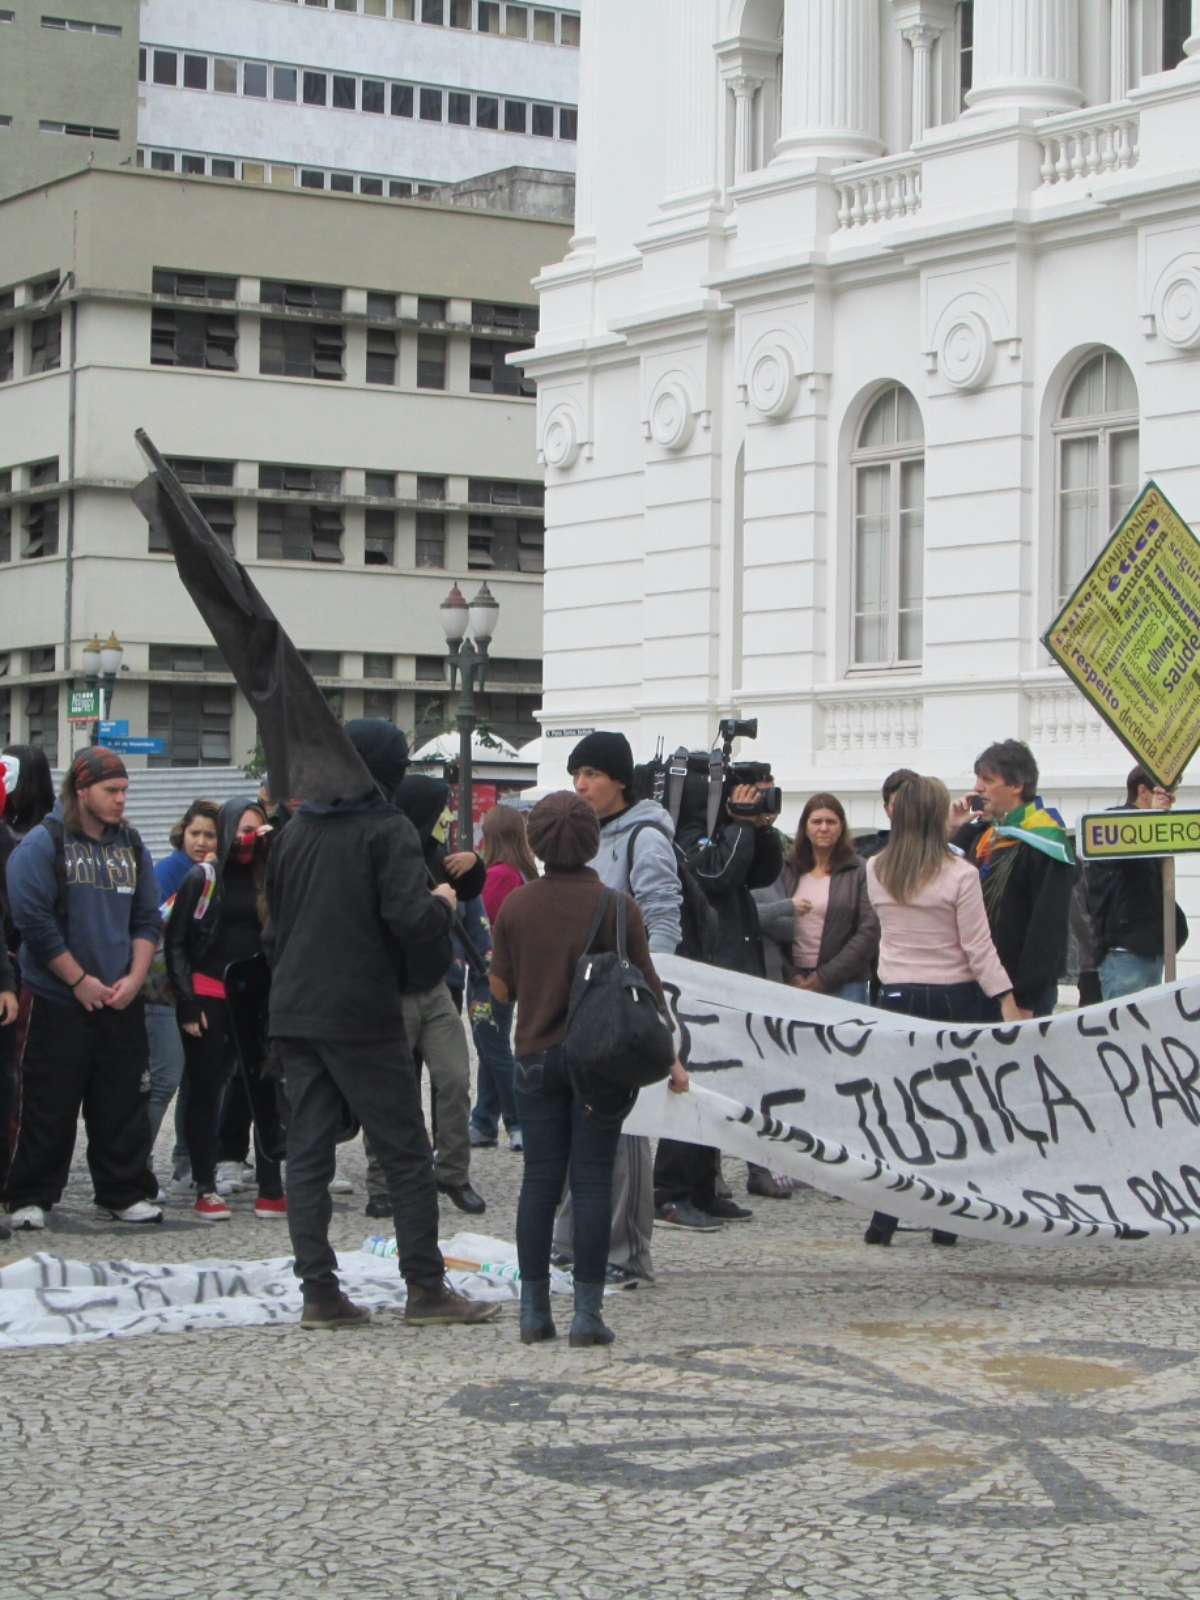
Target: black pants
x,y
376,1080
686,1172
97,1062
207,1065
246,1097
233,1128
560,1132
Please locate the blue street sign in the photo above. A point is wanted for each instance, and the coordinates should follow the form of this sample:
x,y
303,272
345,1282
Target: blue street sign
x,y
138,747
114,730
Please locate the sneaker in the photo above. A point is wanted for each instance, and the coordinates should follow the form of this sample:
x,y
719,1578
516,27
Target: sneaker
x,y
766,1185
341,1185
480,1140
229,1177
211,1208
31,1218
265,1206
727,1211
139,1211
333,1314
438,1304
515,1140
683,1214
620,1277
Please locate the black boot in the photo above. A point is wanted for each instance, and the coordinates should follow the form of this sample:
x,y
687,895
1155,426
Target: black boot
x,y
536,1322
880,1229
941,1237
588,1326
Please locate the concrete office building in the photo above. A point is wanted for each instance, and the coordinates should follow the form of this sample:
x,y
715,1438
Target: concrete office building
x,y
876,315
328,374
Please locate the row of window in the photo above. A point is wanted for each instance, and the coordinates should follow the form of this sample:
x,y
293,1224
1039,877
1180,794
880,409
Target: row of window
x,y
106,30
541,24
377,666
32,525
282,174
338,91
1096,477
78,130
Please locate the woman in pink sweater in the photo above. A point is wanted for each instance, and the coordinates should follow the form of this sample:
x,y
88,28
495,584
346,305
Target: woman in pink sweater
x,y
936,956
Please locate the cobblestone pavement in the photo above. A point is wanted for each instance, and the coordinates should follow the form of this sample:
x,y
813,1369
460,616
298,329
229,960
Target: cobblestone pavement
x,y
785,1412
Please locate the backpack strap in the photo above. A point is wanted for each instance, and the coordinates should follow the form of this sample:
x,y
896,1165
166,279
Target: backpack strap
x,y
637,828
716,787
622,913
597,920
57,832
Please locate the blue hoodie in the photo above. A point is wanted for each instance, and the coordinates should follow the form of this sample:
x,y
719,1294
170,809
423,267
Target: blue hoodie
x,y
112,899
170,872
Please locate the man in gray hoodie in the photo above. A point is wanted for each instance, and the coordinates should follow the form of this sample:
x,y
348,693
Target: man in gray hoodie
x,y
601,765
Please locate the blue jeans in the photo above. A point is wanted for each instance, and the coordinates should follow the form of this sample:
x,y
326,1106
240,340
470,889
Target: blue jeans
x,y
855,992
1122,972
560,1132
166,1062
938,1002
495,1095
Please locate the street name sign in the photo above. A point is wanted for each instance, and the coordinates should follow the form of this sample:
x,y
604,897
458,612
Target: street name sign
x,y
83,705
115,730
1129,636
1131,835
138,747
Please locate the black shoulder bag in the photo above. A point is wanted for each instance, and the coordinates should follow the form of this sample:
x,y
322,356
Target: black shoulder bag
x,y
616,1035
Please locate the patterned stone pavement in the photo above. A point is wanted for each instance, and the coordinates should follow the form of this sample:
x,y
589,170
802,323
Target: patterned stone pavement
x,y
786,1412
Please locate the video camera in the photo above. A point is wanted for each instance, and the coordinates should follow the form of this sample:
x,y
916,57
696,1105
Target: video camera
x,y
696,785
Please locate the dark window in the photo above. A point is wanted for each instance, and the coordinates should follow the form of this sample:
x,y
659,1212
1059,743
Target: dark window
x,y
311,180
402,100
162,161
305,296
5,535
509,716
430,309
225,75
568,121
379,485
42,473
1176,26
193,165
373,97
399,190
191,471
505,492
341,182
429,669
254,80
489,16
166,66
314,89
490,375
429,488
431,715
433,11
142,65
516,21
379,703
458,109
966,49
299,532
191,658
218,512
516,114
41,658
543,122
380,539
376,665
195,721
543,26
431,540
381,355
6,354
300,480
45,344
370,186
460,13
487,111
431,361
41,720
195,72
194,285
431,105
193,339
488,314
345,93
508,669
222,168
40,523
322,663
283,83
380,305
569,29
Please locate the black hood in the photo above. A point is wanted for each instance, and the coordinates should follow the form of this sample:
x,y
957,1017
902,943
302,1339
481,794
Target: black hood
x,y
383,750
228,817
422,801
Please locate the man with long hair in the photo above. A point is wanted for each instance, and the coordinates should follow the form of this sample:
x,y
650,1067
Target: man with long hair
x,y
83,896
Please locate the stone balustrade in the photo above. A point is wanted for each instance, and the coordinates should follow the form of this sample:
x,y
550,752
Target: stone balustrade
x,y
871,723
1061,716
1083,144
877,191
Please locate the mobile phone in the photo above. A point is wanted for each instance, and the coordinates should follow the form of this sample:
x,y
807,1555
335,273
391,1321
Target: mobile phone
x,y
976,802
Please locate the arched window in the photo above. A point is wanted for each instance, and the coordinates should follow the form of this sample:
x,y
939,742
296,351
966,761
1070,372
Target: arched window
x,y
888,577
1097,446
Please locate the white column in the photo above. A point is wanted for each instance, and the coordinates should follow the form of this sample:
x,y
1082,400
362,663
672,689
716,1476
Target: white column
x,y
830,80
921,39
1191,45
744,90
1118,49
690,90
583,238
1026,56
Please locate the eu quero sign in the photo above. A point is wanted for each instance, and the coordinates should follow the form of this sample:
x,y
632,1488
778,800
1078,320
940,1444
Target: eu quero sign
x,y
1121,835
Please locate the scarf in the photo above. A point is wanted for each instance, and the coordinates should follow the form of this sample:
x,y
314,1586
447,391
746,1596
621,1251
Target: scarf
x,y
1035,824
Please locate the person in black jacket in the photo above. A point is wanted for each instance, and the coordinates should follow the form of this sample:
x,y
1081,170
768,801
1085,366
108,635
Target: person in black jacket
x,y
216,920
350,904
1125,905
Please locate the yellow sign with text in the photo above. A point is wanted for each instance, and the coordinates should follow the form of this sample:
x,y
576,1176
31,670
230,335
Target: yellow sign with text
x,y
1114,835
1129,636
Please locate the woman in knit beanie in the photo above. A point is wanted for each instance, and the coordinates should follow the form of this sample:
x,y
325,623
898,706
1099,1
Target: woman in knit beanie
x,y
540,934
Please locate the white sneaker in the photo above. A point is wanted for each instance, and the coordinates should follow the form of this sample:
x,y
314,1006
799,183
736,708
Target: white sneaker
x,y
229,1177
139,1211
341,1185
31,1218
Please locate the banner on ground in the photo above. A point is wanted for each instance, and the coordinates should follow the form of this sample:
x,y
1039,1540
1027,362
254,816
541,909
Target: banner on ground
x,y
1077,1127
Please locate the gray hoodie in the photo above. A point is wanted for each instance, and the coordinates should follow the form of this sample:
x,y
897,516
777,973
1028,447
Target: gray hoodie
x,y
654,881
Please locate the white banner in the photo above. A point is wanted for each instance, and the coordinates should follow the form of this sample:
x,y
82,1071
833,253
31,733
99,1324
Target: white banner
x,y
1080,1126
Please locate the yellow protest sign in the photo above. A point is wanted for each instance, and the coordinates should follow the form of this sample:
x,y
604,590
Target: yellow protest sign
x,y
1129,636
1117,835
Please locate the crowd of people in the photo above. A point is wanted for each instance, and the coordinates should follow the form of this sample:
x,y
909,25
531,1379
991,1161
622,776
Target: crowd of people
x,y
288,971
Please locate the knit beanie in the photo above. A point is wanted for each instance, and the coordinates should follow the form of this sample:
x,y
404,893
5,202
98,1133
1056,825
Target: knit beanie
x,y
607,752
563,830
95,765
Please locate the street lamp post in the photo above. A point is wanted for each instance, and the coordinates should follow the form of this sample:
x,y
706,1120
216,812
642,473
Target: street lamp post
x,y
468,657
101,665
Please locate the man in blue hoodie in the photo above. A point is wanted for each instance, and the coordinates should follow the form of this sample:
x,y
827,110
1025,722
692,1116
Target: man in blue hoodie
x,y
82,893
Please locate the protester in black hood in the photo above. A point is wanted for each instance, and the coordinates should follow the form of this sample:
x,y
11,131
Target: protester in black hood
x,y
431,1019
350,900
384,749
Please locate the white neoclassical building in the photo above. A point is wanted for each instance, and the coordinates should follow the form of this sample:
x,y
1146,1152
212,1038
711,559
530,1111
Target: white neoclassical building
x,y
876,314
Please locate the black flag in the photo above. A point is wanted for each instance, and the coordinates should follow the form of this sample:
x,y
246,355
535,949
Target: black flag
x,y
308,754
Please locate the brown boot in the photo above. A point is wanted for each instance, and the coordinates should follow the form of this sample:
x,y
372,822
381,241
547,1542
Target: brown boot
x,y
437,1304
333,1313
